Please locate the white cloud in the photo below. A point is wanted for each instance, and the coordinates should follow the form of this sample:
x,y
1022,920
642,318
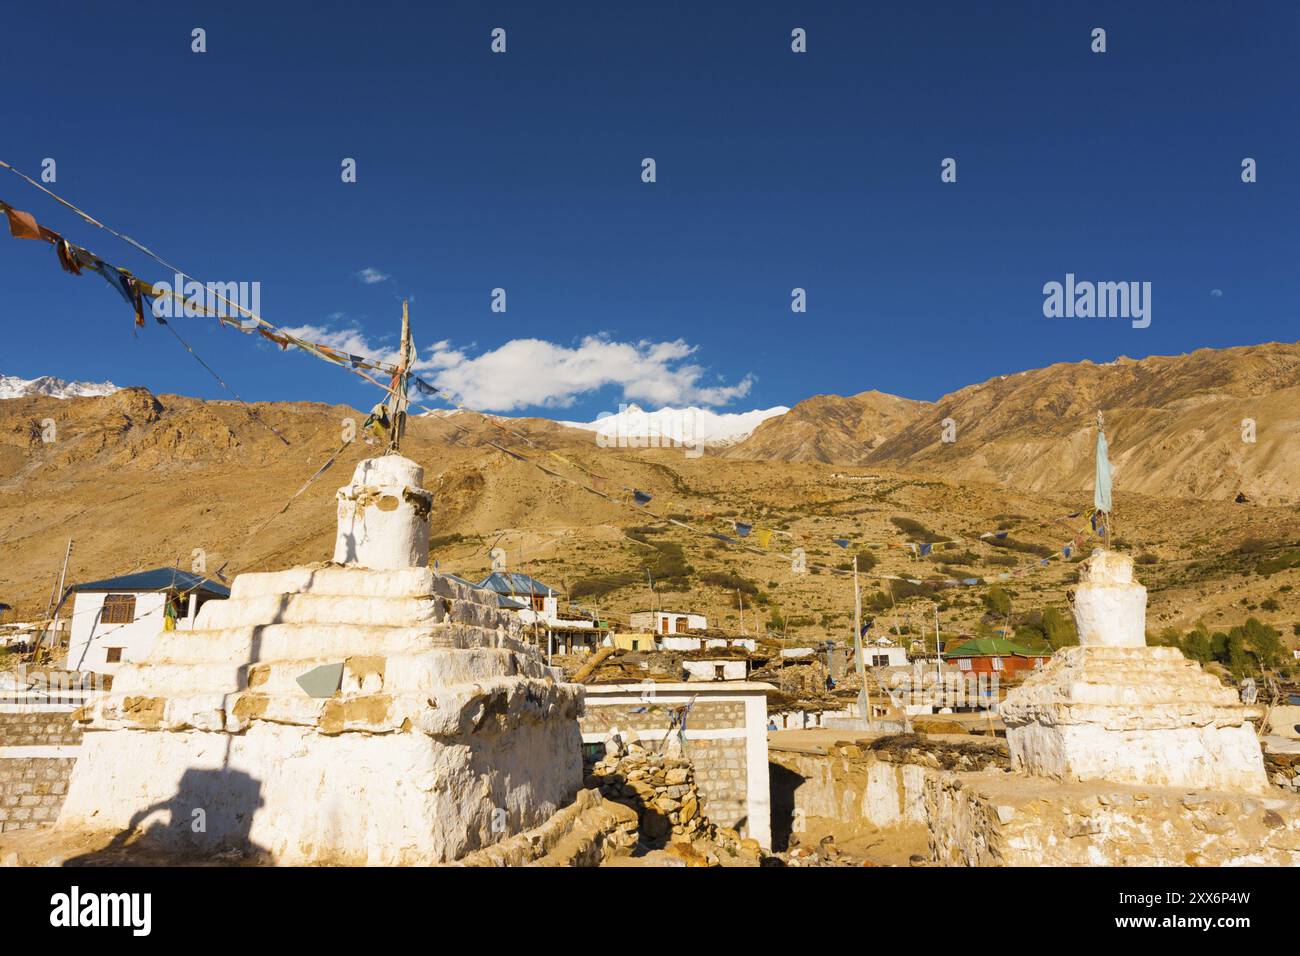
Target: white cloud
x,y
532,372
370,275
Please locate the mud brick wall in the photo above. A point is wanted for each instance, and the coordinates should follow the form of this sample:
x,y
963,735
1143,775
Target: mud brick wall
x,y
39,730
32,790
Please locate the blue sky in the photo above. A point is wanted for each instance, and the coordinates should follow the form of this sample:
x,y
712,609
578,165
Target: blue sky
x,y
775,170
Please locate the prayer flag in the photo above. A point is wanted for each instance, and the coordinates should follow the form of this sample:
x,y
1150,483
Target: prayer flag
x,y
743,529
1101,495
641,497
22,225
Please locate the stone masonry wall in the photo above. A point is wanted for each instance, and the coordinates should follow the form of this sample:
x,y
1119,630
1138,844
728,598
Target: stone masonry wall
x,y
720,766
32,790
39,730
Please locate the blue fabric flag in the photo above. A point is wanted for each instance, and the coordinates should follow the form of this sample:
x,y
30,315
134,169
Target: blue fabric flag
x,y
641,497
842,542
926,549
743,529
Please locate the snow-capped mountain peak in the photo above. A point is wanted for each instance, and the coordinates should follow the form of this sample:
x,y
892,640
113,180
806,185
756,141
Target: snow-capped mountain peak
x,y
11,386
682,425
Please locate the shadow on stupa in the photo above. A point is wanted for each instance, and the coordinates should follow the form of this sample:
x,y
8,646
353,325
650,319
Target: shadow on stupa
x,y
206,822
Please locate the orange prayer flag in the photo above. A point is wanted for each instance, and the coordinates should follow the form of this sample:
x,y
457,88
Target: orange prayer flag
x,y
22,225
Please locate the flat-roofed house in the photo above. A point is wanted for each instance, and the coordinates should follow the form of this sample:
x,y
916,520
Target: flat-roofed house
x,y
118,620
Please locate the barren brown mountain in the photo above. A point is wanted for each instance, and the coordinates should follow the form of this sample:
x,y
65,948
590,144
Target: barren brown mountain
x,y
830,428
1177,426
141,481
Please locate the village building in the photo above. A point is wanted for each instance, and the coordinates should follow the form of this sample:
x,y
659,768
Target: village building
x,y
549,628
117,620
995,655
668,622
628,641
883,652
726,668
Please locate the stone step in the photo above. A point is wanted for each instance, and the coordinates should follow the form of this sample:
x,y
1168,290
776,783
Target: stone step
x,y
343,582
498,704
366,673
294,608
270,642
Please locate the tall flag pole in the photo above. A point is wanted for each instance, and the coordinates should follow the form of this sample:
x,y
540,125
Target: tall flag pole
x,y
398,401
864,698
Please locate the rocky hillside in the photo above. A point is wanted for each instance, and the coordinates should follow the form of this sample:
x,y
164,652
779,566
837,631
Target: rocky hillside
x,y
1175,425
830,428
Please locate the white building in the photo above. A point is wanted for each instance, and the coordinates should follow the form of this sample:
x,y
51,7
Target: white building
x,y
118,620
883,652
559,632
716,669
668,622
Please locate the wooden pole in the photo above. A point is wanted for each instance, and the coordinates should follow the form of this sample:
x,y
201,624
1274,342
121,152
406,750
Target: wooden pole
x,y
864,698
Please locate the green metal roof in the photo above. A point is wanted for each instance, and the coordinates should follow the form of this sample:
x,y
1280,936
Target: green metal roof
x,y
993,647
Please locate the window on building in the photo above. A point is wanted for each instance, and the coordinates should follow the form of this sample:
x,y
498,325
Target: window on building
x,y
115,655
997,663
118,609
539,602
963,663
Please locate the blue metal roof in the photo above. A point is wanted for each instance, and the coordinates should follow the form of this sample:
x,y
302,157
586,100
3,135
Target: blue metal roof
x,y
159,579
507,582
510,604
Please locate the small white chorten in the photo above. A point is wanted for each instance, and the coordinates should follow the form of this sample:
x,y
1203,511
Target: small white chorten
x,y
384,516
1115,709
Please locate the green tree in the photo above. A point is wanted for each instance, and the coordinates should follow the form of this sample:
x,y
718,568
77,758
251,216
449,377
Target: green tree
x,y
997,601
1059,628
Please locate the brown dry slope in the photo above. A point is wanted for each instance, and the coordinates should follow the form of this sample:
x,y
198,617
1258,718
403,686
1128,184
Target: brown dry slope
x,y
830,428
1175,422
141,481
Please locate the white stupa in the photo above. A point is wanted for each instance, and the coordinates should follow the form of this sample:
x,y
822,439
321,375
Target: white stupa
x,y
1115,709
361,711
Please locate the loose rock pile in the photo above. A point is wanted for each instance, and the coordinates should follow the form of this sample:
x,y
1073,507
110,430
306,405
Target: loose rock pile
x,y
662,791
1283,769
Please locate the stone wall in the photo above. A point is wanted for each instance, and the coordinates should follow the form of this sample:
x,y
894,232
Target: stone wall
x,y
33,781
726,740
39,729
856,788
587,832
996,819
660,790
32,790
